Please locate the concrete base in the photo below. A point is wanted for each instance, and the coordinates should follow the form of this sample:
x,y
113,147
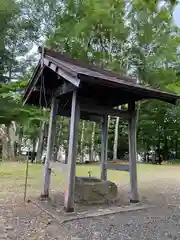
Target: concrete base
x,y
70,210
134,201
62,217
44,197
93,190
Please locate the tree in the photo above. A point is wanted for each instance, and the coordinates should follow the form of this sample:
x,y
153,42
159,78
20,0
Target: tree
x,y
136,38
19,30
139,40
8,11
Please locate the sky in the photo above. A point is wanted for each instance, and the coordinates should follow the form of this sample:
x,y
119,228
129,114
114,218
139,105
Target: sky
x,y
176,15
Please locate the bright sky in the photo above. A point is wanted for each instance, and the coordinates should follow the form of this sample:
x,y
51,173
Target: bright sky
x,y
176,15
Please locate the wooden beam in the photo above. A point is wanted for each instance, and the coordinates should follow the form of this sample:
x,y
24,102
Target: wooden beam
x,y
66,87
34,83
56,68
75,114
118,167
83,115
63,89
51,133
104,148
134,197
103,110
47,91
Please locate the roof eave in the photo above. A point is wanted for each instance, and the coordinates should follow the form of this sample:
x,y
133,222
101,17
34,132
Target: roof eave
x,y
31,83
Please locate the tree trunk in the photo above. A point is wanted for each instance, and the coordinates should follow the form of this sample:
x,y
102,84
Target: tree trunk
x,y
46,127
82,142
159,144
5,149
40,143
137,114
4,141
165,148
91,148
116,133
33,150
176,147
66,147
66,156
60,135
19,142
59,138
11,128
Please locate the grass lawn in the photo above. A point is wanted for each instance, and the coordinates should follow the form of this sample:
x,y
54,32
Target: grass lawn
x,y
158,185
12,177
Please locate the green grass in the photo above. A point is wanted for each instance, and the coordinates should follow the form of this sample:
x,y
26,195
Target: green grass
x,y
12,176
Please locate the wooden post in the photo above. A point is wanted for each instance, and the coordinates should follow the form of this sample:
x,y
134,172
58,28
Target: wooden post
x,y
72,150
134,197
51,133
104,148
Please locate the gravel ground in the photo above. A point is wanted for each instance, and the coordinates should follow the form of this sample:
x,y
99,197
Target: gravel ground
x,y
28,222
147,225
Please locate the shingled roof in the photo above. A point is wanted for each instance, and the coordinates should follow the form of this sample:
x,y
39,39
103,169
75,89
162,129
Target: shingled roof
x,y
94,81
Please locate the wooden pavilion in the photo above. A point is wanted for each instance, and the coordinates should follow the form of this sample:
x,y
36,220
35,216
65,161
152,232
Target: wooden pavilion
x,y
84,91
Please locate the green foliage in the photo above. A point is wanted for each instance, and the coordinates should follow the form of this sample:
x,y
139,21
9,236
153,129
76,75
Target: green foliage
x,y
176,161
137,39
140,40
19,29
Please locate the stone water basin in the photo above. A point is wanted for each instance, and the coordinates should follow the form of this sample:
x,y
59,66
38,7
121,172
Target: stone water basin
x,y
92,190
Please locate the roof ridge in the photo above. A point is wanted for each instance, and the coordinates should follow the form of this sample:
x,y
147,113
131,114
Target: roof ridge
x,y
67,58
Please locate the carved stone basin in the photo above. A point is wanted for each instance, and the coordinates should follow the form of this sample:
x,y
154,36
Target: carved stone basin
x,y
93,190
